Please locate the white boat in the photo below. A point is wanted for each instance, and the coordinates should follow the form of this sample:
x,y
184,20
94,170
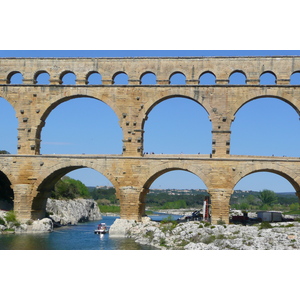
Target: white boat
x,y
102,229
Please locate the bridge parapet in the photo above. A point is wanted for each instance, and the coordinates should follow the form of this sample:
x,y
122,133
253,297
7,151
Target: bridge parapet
x,y
163,67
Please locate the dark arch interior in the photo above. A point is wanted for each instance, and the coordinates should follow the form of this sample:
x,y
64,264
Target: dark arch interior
x,y
6,193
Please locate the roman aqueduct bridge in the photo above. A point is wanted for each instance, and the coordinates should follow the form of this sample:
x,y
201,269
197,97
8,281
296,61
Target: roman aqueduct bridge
x,y
31,175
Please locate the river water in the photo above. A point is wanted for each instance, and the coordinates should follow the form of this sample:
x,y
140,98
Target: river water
x,y
78,237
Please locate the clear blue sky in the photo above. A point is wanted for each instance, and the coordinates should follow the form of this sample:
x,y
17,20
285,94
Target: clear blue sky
x,y
262,127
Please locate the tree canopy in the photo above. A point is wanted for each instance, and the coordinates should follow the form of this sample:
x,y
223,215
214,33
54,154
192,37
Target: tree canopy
x,y
69,188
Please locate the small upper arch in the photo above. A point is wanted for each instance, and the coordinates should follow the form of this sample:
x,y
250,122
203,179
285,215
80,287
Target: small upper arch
x,y
15,77
237,77
177,78
148,78
120,78
207,78
267,78
68,77
93,77
295,78
41,77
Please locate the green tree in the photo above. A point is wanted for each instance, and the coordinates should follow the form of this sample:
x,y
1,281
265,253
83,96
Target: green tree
x,y
69,188
267,197
4,152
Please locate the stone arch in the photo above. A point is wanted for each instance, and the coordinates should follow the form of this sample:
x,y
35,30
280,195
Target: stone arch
x,y
264,128
270,76
207,78
150,76
160,170
176,77
38,74
295,78
150,105
186,122
56,103
268,96
47,180
91,74
66,73
281,171
13,74
237,77
124,78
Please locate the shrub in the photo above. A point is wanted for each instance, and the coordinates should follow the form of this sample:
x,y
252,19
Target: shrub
x,y
10,216
208,239
265,225
220,222
2,222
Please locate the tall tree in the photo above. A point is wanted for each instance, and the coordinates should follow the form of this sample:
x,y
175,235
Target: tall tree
x,y
267,197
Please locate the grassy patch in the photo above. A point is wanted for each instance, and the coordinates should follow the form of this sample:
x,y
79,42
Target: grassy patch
x,y
109,209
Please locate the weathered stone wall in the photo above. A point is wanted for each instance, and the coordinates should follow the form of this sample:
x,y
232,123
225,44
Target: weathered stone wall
x,y
131,172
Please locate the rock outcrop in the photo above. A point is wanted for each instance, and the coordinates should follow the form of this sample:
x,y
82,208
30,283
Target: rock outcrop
x,y
71,212
196,235
61,212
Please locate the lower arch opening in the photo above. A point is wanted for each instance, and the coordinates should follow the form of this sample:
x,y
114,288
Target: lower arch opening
x,y
177,190
264,191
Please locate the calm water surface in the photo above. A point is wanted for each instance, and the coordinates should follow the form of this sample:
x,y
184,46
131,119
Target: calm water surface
x,y
78,237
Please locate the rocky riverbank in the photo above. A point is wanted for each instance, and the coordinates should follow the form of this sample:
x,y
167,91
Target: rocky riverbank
x,y
197,235
61,212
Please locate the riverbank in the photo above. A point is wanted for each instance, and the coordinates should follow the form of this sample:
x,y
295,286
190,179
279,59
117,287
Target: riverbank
x,y
60,213
197,235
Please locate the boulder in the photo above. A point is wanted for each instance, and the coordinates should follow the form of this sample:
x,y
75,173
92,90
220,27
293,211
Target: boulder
x,y
120,227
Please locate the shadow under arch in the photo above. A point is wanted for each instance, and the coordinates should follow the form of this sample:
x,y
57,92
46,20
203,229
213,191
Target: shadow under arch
x,y
6,193
56,103
45,185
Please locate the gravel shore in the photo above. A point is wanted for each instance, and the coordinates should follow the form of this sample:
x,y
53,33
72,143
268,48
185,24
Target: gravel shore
x,y
197,235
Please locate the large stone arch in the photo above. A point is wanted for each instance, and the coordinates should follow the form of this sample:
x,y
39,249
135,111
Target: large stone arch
x,y
57,102
162,169
285,172
148,107
189,122
44,183
239,104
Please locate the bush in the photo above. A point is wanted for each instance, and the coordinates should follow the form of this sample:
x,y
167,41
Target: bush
x,y
265,225
10,216
2,222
